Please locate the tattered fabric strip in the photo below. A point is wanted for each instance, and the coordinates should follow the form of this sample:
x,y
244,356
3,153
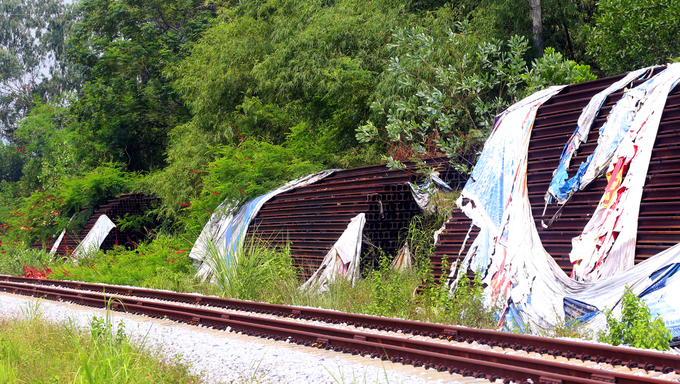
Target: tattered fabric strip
x,y
528,282
561,186
607,244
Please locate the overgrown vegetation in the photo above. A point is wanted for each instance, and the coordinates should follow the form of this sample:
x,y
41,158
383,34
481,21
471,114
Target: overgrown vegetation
x,y
636,327
204,102
35,350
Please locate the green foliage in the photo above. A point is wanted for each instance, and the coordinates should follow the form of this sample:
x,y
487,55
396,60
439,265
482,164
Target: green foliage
x,y
257,273
124,47
33,36
34,350
420,235
161,264
68,202
298,72
572,328
14,259
636,327
564,22
631,34
392,292
448,101
465,306
11,162
237,174
51,148
553,69
254,168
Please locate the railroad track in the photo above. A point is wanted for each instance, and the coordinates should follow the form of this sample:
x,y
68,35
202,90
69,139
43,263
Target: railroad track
x,y
463,351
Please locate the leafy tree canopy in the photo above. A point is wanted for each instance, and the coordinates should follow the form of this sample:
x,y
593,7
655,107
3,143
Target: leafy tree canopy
x,y
51,147
634,34
33,37
441,95
564,23
124,46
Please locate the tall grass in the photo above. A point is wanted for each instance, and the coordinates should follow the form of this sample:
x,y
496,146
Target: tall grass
x,y
258,272
264,273
34,350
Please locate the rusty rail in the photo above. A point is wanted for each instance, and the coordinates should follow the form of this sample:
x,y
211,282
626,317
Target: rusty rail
x,y
132,299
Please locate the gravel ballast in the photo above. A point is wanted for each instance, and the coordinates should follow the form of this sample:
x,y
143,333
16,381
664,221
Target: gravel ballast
x,y
225,357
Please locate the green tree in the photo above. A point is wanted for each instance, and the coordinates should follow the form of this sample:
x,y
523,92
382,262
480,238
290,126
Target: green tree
x,y
293,73
124,46
52,147
633,34
451,89
299,71
33,36
11,162
563,23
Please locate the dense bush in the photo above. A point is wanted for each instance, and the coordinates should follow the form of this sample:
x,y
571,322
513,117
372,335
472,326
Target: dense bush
x,y
636,326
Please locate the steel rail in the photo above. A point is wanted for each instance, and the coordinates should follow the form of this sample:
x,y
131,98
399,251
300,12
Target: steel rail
x,y
471,362
556,347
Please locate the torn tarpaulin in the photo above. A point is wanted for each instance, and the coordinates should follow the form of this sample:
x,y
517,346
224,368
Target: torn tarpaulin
x,y
607,244
94,239
423,193
486,195
342,261
222,237
517,268
561,186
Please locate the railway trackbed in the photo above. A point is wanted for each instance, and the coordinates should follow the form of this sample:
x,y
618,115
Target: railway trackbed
x,y
471,352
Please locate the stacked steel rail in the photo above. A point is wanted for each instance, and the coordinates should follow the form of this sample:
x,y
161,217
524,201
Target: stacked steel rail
x,y
445,348
659,221
311,219
129,204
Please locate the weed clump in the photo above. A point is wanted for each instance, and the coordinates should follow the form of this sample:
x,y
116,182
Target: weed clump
x,y
35,350
636,327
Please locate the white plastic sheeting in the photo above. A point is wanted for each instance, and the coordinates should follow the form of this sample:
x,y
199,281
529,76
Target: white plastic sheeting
x,y
223,235
94,239
56,244
342,260
508,250
423,193
403,260
486,195
607,244
211,234
561,186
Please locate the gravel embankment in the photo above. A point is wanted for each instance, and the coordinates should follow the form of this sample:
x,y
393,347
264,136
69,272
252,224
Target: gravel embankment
x,y
223,357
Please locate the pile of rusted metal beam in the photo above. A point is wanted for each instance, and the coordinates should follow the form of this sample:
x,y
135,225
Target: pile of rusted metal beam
x,y
659,221
311,219
115,209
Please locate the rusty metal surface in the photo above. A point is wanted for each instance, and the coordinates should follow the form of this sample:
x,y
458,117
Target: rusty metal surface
x,y
311,219
659,221
131,204
450,357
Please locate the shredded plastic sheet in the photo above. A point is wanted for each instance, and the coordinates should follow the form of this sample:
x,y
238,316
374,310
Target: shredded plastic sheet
x,y
493,177
403,260
607,244
509,254
212,232
561,186
342,260
94,239
223,235
422,193
56,244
